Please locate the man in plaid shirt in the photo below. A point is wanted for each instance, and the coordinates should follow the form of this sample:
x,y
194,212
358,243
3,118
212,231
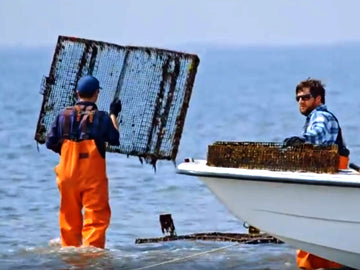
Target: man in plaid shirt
x,y
321,128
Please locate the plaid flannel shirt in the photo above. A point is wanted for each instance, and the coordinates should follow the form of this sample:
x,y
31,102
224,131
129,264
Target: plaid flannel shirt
x,y
321,127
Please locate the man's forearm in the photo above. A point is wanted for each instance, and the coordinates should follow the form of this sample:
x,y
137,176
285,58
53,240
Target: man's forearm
x,y
114,121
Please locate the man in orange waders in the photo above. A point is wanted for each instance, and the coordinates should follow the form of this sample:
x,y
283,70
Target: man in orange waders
x,y
321,128
79,135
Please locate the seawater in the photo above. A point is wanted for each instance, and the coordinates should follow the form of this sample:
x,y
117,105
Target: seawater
x,y
240,94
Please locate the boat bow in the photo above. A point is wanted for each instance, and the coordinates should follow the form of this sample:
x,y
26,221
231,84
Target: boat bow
x,y
316,212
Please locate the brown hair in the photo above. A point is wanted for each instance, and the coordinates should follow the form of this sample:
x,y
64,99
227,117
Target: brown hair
x,y
317,88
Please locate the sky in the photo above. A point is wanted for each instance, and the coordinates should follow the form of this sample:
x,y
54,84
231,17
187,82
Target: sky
x,y
172,23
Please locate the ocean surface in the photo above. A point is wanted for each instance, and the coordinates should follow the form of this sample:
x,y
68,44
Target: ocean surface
x,y
240,94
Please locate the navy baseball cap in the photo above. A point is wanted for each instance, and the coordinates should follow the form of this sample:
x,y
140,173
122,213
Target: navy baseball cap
x,y
88,85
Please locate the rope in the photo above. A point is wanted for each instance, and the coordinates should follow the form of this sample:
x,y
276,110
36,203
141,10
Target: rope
x,y
187,257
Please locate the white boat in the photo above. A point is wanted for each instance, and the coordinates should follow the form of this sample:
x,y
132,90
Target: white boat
x,y
316,212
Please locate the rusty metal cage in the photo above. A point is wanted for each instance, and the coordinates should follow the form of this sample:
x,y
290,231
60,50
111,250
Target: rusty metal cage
x,y
154,86
273,156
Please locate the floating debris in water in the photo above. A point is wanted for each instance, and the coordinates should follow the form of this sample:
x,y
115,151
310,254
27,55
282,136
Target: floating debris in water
x,y
244,238
167,226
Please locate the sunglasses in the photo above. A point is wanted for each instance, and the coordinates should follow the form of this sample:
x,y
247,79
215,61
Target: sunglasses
x,y
304,97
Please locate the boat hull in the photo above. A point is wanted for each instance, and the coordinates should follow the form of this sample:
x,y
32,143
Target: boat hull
x,y
321,217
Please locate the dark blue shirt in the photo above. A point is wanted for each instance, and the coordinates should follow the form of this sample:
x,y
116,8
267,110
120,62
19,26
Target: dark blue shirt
x,y
101,130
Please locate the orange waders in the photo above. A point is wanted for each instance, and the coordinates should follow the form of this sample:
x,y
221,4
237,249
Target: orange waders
x,y
83,185
306,260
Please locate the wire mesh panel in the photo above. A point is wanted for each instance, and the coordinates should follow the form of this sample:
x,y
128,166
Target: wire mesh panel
x,y
154,86
274,156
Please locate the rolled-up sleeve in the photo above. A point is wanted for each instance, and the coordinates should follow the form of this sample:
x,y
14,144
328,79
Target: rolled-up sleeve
x,y
112,135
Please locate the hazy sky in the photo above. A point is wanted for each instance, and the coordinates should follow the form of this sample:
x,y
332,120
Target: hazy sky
x,y
167,22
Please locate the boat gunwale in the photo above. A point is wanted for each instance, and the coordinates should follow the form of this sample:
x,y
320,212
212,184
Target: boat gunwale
x,y
297,177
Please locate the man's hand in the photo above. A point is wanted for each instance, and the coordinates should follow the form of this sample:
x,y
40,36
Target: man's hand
x,y
115,107
293,141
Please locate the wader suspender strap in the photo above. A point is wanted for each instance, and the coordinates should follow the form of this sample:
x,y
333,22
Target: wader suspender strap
x,y
68,112
85,121
83,116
